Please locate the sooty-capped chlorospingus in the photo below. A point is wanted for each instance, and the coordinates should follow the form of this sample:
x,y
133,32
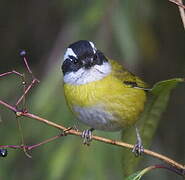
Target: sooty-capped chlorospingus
x,y
101,92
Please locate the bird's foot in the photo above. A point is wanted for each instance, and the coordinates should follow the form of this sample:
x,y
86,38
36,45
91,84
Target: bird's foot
x,y
87,136
138,149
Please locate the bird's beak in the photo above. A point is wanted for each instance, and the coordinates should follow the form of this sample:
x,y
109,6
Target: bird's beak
x,y
88,63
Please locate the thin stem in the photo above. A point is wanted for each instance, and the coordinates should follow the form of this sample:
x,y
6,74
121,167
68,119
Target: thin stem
x,y
8,106
26,147
22,53
27,66
182,13
44,142
26,91
22,137
170,168
11,72
181,9
20,130
177,3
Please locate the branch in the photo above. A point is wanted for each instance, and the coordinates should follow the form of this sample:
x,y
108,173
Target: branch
x,y
97,138
181,9
26,91
11,72
178,2
32,146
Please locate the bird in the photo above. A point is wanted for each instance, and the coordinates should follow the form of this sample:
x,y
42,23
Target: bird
x,y
101,92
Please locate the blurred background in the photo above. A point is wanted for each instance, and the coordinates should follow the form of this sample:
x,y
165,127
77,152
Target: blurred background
x,y
146,36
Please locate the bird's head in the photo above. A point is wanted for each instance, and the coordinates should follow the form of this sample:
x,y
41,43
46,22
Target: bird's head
x,y
83,63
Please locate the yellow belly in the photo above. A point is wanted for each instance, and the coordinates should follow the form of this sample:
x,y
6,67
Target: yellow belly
x,y
106,104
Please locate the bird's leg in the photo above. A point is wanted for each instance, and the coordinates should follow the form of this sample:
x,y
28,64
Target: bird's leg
x,y
87,136
138,147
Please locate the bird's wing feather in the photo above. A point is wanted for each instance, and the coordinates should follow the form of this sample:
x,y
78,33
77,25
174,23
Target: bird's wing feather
x,y
127,77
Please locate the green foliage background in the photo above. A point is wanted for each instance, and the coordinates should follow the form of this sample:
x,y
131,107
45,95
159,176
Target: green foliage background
x,y
146,36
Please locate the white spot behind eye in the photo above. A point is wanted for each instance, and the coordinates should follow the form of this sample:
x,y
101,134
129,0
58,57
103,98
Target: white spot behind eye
x,y
93,47
69,52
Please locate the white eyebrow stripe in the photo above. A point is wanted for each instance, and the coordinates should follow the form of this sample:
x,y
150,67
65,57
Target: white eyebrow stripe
x,y
69,52
93,46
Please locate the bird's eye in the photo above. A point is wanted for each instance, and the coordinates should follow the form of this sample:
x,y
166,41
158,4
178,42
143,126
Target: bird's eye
x,y
74,60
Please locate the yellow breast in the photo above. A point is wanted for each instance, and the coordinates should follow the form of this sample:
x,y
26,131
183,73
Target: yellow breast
x,y
121,103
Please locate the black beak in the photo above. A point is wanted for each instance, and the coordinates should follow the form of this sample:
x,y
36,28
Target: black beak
x,y
88,63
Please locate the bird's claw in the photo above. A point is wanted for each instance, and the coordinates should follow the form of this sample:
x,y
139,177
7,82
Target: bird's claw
x,y
138,149
87,136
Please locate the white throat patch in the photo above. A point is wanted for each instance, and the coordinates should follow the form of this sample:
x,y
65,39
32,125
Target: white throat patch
x,y
84,76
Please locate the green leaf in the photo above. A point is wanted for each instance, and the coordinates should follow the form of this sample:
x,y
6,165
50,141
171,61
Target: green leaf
x,y
135,176
139,174
156,104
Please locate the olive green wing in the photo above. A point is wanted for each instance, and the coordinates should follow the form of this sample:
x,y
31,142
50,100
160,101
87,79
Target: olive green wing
x,y
127,77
